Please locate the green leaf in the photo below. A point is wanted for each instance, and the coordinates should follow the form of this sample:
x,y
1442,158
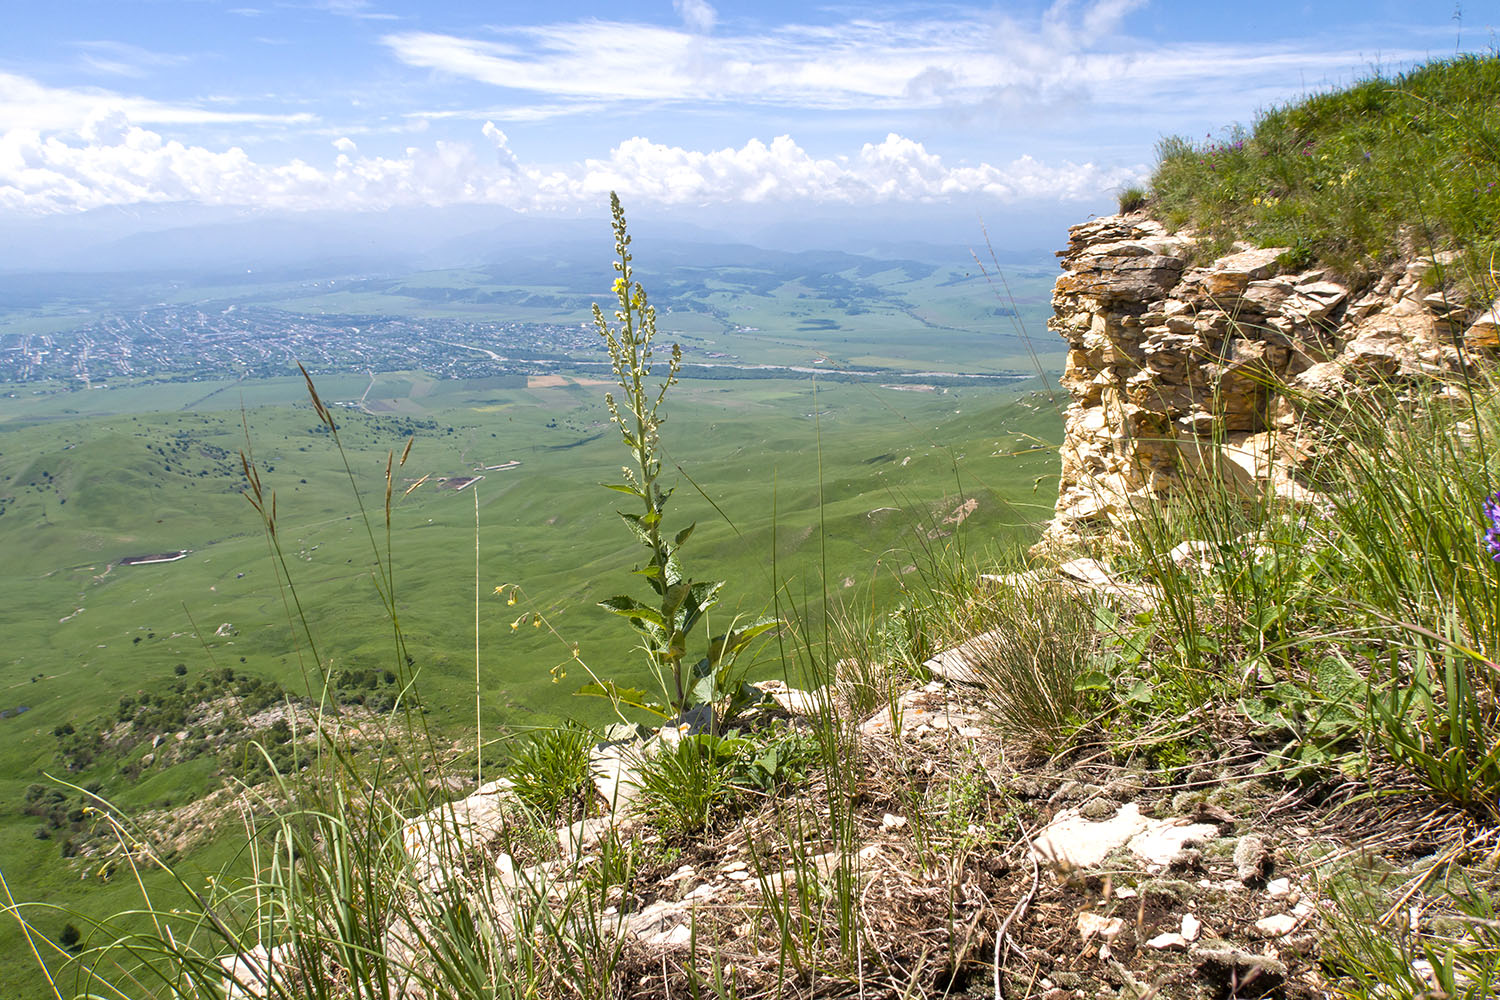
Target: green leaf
x,y
620,488
629,607
702,595
634,697
634,521
1092,680
684,534
733,642
703,691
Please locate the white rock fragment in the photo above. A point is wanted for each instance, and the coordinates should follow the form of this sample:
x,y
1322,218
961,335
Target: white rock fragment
x,y
1093,925
1168,942
1276,925
1163,840
1279,887
891,821
1191,927
1072,841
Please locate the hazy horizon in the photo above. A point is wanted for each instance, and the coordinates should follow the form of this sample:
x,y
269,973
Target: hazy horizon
x,y
391,122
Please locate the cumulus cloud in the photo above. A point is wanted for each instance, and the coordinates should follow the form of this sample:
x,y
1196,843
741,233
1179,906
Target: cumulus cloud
x,y
504,155
113,161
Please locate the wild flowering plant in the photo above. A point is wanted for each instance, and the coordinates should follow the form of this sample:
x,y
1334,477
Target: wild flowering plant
x,y
681,603
1492,533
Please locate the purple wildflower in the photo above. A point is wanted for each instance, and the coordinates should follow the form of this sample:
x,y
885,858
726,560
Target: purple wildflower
x,y
1492,533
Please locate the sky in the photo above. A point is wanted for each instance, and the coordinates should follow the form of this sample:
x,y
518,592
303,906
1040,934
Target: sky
x,y
771,109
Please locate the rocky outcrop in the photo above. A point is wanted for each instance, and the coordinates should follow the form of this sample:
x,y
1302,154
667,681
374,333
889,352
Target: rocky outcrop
x,y
1224,370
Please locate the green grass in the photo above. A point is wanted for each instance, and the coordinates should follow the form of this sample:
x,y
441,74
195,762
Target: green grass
x,y
1391,167
546,526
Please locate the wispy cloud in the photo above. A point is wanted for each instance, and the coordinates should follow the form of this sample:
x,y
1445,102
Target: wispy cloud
x,y
354,8
124,59
1074,53
697,15
27,104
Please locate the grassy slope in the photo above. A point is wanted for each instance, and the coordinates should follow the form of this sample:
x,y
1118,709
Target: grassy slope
x,y
547,526
1339,177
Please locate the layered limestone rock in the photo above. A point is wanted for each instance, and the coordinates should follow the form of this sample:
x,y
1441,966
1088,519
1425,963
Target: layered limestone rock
x,y
1227,369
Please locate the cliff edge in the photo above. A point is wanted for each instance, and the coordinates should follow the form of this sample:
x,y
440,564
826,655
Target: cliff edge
x,y
1228,369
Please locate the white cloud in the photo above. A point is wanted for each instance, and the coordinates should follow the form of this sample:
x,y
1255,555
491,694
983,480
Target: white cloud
x,y
698,15
503,153
124,59
118,162
344,144
27,104
1075,53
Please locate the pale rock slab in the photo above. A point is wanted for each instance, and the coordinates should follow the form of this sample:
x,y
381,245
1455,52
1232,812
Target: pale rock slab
x,y
1178,372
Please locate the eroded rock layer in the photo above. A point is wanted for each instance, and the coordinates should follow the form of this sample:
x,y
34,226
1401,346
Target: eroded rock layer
x,y
1228,369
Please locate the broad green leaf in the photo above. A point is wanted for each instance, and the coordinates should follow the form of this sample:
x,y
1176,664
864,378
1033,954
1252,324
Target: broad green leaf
x,y
634,697
621,488
1092,680
703,691
629,607
684,534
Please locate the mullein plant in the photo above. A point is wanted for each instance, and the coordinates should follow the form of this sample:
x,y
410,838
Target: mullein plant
x,y
681,603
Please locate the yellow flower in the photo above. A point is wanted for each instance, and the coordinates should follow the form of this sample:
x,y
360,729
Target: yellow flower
x,y
619,285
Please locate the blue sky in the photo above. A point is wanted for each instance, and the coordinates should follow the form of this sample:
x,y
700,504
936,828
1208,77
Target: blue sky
x,y
681,104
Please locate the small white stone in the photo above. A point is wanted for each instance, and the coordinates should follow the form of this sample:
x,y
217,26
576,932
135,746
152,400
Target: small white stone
x,y
739,876
1191,927
891,821
1302,909
676,937
1091,924
1278,887
1163,942
1276,925
1126,892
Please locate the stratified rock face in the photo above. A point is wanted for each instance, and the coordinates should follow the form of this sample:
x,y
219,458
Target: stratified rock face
x,y
1178,371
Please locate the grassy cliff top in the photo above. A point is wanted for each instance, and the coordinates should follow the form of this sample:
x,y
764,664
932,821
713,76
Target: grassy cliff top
x,y
1352,178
